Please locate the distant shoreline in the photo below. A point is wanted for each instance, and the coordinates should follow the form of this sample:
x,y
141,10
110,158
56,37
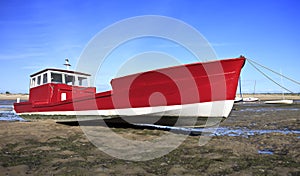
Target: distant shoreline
x,y
14,96
272,96
261,96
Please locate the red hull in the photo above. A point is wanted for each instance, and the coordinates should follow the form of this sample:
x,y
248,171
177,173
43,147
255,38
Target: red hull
x,y
185,84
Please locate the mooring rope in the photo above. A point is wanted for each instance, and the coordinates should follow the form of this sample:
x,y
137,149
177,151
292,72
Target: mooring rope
x,y
296,82
252,63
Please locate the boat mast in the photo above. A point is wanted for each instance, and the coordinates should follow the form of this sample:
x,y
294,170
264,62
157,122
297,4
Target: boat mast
x,y
67,64
282,85
240,87
254,87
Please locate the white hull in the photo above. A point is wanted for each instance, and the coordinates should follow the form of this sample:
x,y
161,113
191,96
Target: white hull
x,y
238,99
207,109
279,102
250,99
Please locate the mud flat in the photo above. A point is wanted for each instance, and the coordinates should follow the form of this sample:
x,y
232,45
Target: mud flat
x,y
268,144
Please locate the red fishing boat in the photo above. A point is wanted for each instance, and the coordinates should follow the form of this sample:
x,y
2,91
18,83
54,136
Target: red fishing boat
x,y
203,89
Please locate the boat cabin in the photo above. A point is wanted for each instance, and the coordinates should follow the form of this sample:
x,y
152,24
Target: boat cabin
x,y
59,76
55,85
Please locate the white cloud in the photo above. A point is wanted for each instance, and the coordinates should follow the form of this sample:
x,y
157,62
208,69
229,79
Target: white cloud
x,y
67,47
220,44
20,56
31,67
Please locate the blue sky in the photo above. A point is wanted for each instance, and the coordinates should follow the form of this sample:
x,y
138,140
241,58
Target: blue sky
x,y
39,34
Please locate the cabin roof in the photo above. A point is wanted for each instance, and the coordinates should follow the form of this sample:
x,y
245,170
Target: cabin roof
x,y
60,70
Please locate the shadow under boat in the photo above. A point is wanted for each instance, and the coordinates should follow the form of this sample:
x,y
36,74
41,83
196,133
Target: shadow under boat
x,y
179,125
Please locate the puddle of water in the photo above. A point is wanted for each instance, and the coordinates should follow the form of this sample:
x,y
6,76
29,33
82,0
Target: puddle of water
x,y
222,131
268,109
248,132
6,108
9,116
266,151
7,113
7,102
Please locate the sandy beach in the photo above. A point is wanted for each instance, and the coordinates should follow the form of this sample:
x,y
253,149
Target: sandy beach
x,y
43,147
14,96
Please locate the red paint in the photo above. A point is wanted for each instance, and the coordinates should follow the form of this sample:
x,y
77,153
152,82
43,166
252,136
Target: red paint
x,y
185,84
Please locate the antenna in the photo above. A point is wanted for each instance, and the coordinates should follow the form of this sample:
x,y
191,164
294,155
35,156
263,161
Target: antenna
x,y
67,64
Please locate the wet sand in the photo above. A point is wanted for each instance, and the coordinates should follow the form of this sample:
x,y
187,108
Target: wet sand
x,y
43,147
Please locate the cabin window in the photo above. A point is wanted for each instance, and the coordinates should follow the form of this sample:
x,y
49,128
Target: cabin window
x,y
82,81
63,96
39,80
33,82
45,79
56,78
70,80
